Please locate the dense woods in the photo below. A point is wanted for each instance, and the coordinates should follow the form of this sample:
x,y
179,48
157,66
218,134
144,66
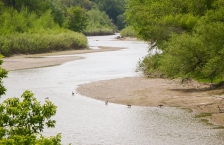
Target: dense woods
x,y
190,34
37,26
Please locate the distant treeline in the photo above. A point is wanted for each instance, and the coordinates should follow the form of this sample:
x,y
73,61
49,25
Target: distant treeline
x,y
43,26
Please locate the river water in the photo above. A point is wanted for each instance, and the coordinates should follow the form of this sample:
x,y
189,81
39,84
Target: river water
x,y
86,121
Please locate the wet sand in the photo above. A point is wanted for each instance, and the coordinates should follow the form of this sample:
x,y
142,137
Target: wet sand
x,y
142,91
139,91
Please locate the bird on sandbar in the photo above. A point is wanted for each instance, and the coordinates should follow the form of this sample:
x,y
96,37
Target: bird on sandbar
x,y
73,93
106,102
129,105
160,105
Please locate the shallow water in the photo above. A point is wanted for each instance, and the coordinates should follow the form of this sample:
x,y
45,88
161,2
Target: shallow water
x,y
86,121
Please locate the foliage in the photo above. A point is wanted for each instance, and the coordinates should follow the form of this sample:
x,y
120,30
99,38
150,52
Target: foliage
x,y
76,19
157,20
40,43
120,22
58,12
39,7
98,23
21,122
113,8
128,32
3,74
189,33
13,21
26,32
33,5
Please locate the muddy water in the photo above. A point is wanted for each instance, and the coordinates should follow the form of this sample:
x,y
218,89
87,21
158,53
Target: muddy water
x,y
85,121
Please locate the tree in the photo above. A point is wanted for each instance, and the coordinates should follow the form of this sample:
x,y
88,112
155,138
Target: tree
x,y
98,19
76,19
22,121
113,8
120,22
189,33
157,20
3,74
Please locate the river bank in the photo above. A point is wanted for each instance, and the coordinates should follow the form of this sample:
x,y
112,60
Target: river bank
x,y
18,62
139,91
142,91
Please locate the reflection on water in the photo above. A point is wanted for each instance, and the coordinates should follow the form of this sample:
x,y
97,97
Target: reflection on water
x,y
86,121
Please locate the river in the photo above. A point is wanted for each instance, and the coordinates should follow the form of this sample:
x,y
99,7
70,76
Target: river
x,y
86,121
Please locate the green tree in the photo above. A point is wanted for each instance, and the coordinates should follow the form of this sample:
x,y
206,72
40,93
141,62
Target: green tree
x,y
189,33
3,74
58,11
113,8
22,121
39,6
157,20
98,19
76,19
121,22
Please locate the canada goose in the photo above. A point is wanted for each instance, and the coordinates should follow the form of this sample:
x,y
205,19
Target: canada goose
x,y
106,102
160,105
220,111
73,93
129,105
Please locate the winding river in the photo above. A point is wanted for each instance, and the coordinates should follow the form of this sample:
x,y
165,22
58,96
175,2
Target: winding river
x,y
85,121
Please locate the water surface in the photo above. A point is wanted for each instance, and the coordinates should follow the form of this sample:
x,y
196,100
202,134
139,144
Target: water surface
x,y
86,121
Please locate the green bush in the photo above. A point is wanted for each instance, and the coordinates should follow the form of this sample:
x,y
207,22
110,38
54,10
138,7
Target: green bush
x,y
41,43
98,24
128,32
99,32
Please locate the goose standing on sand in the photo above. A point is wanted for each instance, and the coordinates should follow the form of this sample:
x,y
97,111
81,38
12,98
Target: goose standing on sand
x,y
220,111
129,105
160,105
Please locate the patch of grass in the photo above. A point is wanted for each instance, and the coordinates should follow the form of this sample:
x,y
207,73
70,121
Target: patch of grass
x,y
189,110
206,122
22,43
99,32
203,115
218,127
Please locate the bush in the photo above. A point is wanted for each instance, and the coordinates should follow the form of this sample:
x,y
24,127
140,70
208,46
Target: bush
x,y
128,32
41,43
98,24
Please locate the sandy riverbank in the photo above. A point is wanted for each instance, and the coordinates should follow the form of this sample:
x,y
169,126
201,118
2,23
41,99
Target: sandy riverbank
x,y
42,60
142,91
138,91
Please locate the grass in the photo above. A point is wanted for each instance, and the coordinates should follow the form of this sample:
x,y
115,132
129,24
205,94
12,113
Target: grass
x,y
203,115
23,43
99,32
206,121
